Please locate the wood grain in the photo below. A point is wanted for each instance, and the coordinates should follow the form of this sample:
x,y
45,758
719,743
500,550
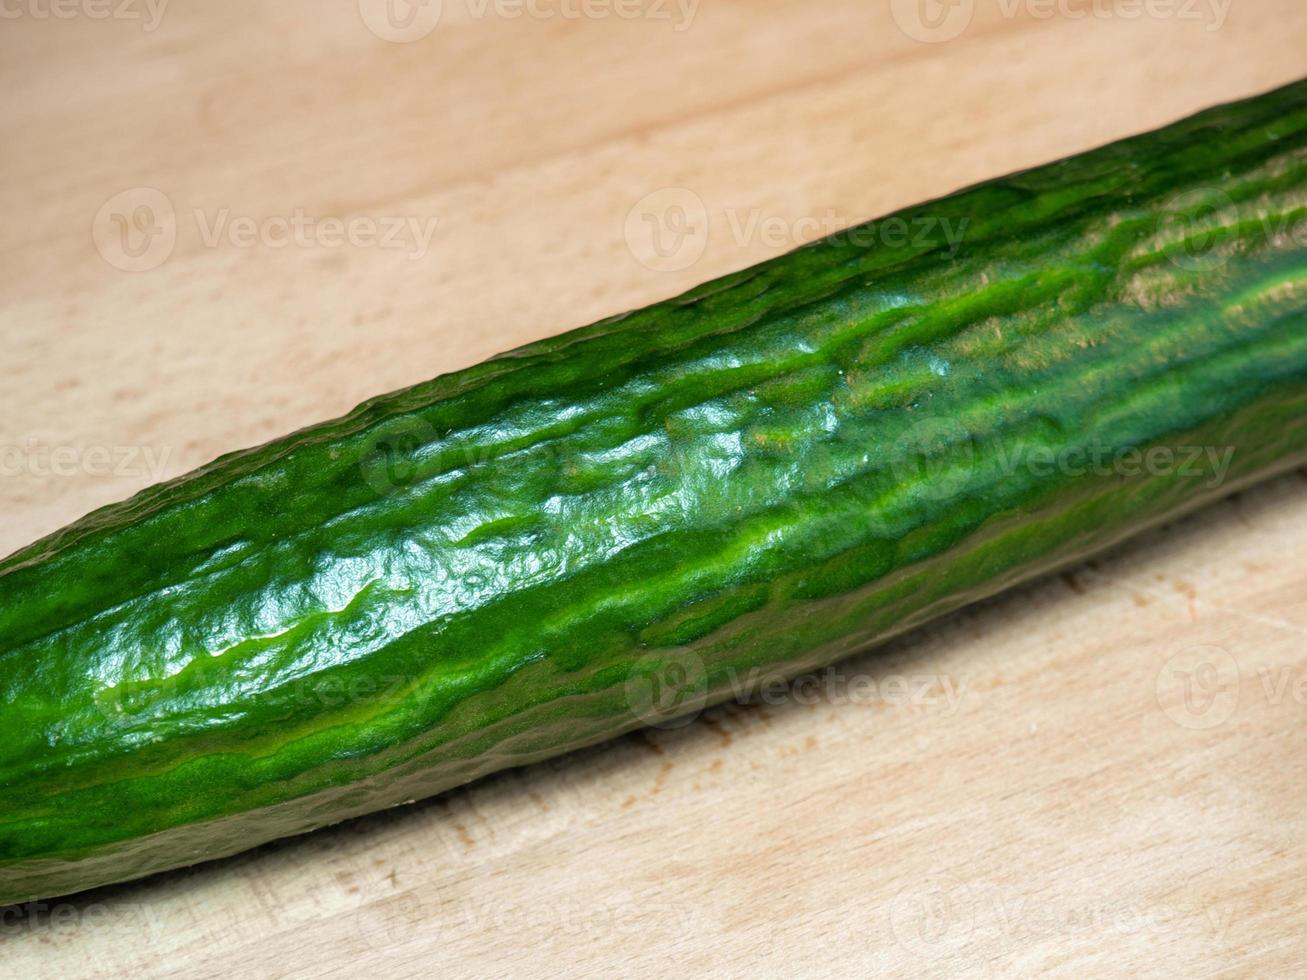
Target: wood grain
x,y
1021,790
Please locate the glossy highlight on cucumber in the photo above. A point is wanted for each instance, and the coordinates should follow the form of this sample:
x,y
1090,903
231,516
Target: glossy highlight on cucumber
x,y
773,470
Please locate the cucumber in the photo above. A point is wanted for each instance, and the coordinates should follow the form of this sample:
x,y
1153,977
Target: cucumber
x,y
613,526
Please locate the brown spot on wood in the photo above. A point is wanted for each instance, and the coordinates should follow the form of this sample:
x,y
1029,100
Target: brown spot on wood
x,y
539,801
809,743
1073,583
464,836
644,738
1141,600
749,712
663,771
715,765
628,803
719,729
346,880
1190,593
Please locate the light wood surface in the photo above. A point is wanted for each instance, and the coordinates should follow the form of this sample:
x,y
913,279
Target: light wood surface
x,y
1056,802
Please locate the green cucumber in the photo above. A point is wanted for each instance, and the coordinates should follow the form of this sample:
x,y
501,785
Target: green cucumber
x,y
774,470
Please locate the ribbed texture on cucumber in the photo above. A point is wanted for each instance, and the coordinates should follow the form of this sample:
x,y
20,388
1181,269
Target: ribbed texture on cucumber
x,y
775,469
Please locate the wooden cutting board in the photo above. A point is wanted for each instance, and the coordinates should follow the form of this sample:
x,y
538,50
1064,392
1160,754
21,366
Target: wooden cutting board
x,y
227,220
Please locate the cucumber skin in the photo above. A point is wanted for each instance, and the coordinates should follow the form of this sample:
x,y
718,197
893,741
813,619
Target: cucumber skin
x,y
774,470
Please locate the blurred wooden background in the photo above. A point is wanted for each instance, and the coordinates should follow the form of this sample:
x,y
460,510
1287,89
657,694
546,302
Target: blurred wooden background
x,y
225,221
